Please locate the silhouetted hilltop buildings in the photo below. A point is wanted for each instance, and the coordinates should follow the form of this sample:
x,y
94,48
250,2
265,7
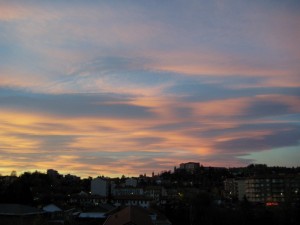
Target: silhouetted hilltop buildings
x,y
190,194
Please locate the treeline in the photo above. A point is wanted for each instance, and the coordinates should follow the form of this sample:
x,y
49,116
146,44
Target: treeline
x,y
39,188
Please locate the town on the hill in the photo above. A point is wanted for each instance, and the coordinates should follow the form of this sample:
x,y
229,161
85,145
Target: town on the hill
x,y
190,194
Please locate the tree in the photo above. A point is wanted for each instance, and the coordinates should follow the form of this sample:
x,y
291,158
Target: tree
x,y
13,173
18,192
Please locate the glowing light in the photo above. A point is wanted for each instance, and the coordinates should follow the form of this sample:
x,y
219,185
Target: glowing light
x,y
272,204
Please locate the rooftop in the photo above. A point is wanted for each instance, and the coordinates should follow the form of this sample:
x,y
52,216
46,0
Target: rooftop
x,y
18,210
129,215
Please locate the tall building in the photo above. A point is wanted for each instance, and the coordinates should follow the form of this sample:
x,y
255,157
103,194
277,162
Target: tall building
x,y
131,182
52,173
276,188
235,188
100,186
273,189
190,167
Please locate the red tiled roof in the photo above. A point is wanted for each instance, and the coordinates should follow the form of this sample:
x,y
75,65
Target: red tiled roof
x,y
129,215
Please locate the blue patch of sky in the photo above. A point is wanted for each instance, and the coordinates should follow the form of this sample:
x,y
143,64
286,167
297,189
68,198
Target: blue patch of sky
x,y
285,156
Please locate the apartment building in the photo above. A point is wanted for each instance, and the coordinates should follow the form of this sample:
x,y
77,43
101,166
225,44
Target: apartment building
x,y
277,188
190,167
235,188
273,188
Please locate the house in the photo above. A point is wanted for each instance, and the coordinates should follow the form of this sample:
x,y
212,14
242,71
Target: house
x,y
155,192
128,191
100,186
90,218
190,167
52,209
133,215
86,200
21,215
131,182
132,200
129,215
55,215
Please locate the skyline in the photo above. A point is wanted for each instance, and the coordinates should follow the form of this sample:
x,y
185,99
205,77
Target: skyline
x,y
130,87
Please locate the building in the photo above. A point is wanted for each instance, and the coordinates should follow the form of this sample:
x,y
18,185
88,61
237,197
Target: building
x,y
190,167
265,189
5,181
100,186
131,182
279,188
235,188
52,173
155,192
21,214
132,200
133,215
128,191
129,215
55,215
86,201
90,218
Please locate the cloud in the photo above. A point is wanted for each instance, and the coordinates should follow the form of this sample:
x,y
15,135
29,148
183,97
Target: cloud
x,y
76,105
121,75
100,86
206,88
271,105
278,139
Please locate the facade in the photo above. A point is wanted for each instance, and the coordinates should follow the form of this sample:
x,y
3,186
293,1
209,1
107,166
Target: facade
x,y
128,191
87,200
265,189
131,182
155,192
100,186
133,215
273,189
190,167
129,215
235,188
132,200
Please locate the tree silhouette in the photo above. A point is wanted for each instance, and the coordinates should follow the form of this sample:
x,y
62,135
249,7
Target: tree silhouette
x,y
19,193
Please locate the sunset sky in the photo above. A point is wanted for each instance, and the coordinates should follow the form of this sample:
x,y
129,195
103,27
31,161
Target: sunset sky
x,y
130,87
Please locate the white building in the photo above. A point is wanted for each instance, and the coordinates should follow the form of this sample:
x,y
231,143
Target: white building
x,y
100,186
190,167
132,200
131,182
128,191
155,192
